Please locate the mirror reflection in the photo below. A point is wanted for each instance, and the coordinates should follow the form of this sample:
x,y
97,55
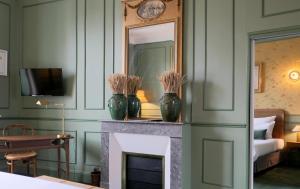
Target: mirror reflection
x,y
151,51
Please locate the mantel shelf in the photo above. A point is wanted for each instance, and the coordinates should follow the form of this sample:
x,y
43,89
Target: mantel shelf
x,y
173,130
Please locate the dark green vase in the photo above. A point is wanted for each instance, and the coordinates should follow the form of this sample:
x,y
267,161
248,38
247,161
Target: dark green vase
x,y
170,107
134,106
117,105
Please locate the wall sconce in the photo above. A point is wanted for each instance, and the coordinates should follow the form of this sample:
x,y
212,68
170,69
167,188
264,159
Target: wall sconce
x,y
294,75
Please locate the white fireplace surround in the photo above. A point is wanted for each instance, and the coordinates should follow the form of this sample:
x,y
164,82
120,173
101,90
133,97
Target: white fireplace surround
x,y
141,144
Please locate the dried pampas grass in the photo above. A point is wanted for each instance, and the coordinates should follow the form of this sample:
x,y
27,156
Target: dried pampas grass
x,y
117,83
171,81
133,84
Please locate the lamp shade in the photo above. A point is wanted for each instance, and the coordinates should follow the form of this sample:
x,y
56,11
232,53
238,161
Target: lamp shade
x,y
141,95
296,128
42,102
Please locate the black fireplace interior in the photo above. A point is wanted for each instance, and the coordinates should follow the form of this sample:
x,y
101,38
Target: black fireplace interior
x,y
144,172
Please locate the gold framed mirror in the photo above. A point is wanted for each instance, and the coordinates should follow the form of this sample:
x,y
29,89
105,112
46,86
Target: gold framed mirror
x,y
152,45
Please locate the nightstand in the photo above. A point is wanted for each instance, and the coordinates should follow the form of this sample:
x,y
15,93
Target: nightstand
x,y
293,153
291,145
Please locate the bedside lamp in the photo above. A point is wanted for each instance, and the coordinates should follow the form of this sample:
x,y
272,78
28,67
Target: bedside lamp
x,y
45,102
297,129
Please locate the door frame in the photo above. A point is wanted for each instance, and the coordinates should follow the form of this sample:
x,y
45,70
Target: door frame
x,y
254,37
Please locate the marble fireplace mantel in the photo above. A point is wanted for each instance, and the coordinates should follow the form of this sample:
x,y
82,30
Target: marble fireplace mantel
x,y
174,131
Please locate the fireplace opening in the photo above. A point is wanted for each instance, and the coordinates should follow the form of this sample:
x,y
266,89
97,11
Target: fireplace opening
x,y
143,171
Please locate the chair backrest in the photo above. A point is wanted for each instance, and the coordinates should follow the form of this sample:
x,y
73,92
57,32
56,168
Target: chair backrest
x,y
17,129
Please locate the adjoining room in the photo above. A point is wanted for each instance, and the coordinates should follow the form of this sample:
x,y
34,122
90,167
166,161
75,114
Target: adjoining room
x,y
276,99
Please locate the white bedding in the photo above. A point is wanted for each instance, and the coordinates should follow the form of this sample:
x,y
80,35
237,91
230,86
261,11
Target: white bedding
x,y
263,147
12,181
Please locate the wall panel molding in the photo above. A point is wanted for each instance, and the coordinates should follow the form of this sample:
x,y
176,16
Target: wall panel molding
x,y
3,3
85,148
101,61
205,162
41,3
282,12
73,106
9,55
226,125
206,95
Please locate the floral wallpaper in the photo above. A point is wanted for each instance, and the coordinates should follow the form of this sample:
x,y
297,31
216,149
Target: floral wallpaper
x,y
279,58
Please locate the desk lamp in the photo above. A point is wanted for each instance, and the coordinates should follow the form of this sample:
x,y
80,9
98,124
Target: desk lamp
x,y
45,102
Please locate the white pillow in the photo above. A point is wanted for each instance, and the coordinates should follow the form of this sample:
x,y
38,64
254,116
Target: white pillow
x,y
262,126
264,119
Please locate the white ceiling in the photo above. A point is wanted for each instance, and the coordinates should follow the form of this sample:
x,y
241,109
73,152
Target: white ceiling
x,y
153,33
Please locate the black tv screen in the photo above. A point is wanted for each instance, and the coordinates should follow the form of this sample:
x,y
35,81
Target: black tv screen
x,y
41,82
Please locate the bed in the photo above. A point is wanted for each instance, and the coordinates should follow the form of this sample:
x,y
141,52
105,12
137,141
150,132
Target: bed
x,y
268,153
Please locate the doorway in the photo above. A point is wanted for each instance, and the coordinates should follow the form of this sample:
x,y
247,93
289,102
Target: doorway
x,y
275,110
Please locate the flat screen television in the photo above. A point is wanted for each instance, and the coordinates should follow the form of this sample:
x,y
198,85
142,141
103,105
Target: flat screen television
x,y
41,82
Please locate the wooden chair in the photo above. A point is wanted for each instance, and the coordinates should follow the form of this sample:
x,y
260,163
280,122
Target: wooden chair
x,y
28,157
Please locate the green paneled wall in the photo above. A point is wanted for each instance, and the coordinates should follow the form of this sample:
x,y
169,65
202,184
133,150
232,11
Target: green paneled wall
x,y
5,37
219,35
95,54
49,36
276,7
217,53
84,37
76,35
216,97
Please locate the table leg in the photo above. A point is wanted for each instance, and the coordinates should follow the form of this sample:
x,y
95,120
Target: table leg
x,y
12,167
8,167
34,168
58,162
67,151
